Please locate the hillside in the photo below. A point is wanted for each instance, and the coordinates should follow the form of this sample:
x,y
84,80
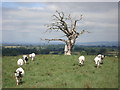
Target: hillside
x,y
59,71
100,43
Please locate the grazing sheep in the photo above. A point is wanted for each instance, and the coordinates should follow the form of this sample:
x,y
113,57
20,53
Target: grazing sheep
x,y
19,73
20,62
97,61
25,58
81,60
32,56
102,57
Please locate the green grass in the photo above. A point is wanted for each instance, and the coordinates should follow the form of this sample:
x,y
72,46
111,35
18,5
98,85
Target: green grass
x,y
0,72
59,71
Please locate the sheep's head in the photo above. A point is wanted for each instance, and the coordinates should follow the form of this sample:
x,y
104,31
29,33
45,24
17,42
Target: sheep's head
x,y
18,74
26,58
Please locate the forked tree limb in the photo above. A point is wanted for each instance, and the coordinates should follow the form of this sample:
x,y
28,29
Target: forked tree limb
x,y
75,24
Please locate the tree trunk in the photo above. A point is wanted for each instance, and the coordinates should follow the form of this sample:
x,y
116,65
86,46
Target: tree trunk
x,y
68,47
67,50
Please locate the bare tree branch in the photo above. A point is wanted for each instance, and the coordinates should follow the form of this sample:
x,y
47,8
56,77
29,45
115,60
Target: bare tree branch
x,y
56,40
56,17
75,23
61,15
83,31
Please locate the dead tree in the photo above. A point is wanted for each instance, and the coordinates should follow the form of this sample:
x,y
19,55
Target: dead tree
x,y
68,26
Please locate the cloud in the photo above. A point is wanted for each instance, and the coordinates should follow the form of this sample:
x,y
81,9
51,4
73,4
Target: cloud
x,y
31,18
33,8
60,1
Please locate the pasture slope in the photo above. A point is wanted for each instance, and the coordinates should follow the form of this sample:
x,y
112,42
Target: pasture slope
x,y
59,71
0,72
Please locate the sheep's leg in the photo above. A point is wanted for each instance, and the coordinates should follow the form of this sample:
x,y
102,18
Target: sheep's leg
x,y
25,61
83,62
17,81
79,63
21,80
98,64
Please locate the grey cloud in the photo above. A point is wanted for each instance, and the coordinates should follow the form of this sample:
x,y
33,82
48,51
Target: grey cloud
x,y
99,18
95,7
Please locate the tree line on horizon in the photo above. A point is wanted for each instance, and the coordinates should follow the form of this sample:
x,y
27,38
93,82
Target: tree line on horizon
x,y
58,49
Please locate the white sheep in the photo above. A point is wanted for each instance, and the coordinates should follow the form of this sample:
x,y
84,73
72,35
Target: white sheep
x,y
32,56
20,62
19,73
102,57
81,60
25,58
97,61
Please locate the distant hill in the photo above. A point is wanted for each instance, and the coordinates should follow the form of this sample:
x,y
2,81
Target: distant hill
x,y
101,43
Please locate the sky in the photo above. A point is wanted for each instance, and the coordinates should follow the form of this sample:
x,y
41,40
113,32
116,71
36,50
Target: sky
x,y
25,22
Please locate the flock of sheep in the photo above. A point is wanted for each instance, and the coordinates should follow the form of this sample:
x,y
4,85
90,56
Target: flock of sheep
x,y
19,73
98,60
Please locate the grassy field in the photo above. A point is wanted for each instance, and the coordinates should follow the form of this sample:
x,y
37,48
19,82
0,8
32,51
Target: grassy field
x,y
59,71
0,72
